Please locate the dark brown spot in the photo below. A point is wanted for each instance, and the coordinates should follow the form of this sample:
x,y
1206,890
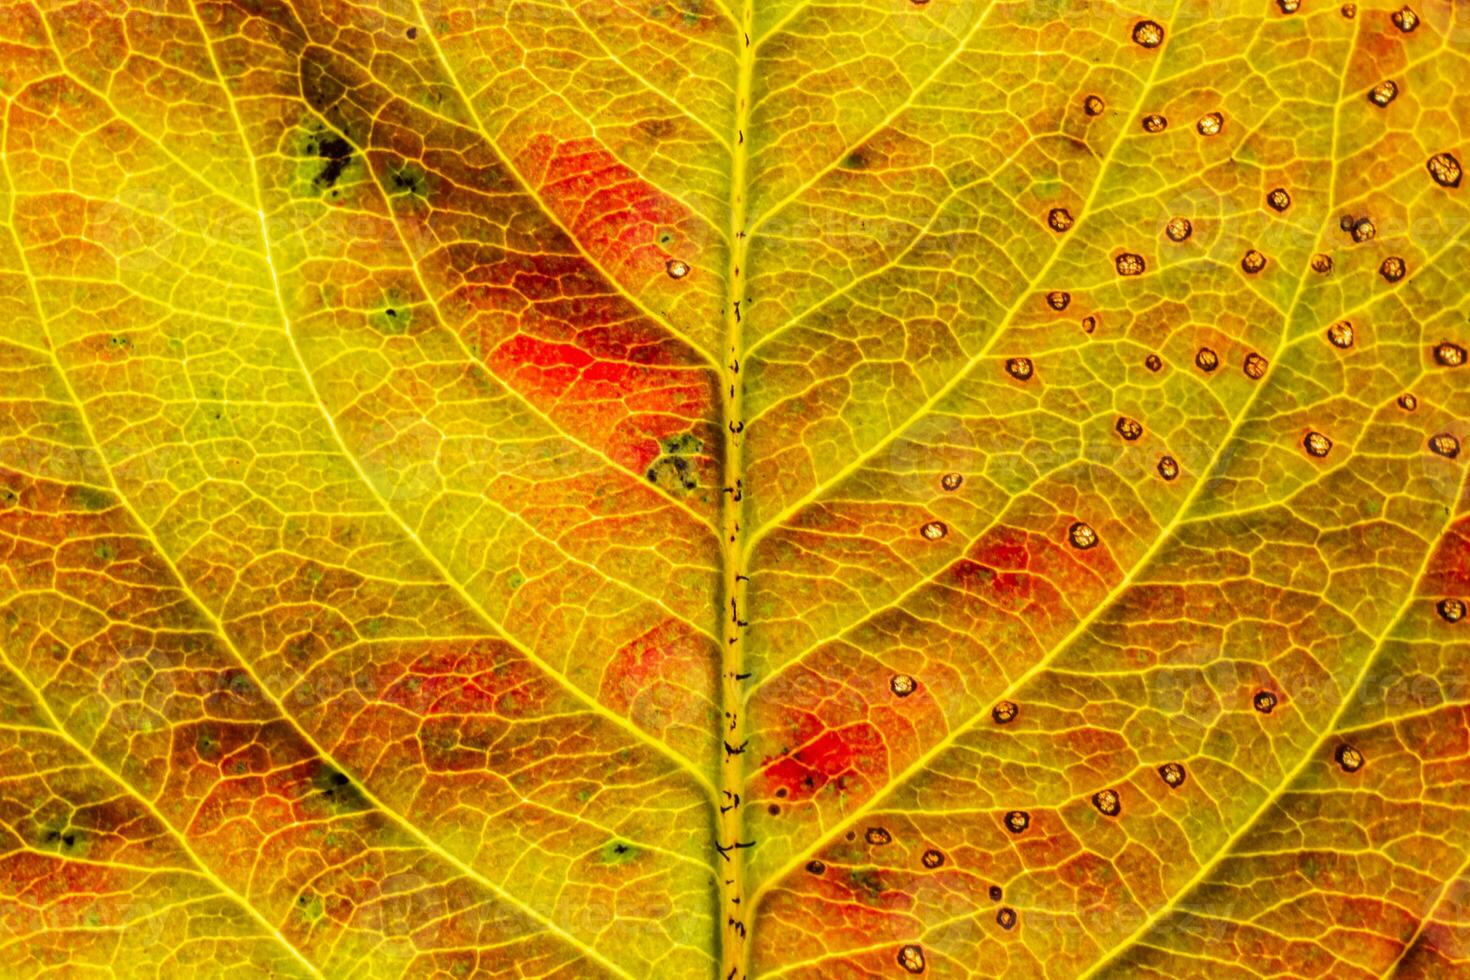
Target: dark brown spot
x,y
1107,802
1005,712
1130,264
1383,93
1206,360
1265,702
1082,536
1349,759
1447,354
1020,368
1148,34
1017,821
1445,169
1129,429
911,958
1006,918
1172,773
1444,444
932,859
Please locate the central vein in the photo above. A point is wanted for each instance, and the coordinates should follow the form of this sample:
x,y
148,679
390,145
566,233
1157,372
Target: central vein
x,y
734,916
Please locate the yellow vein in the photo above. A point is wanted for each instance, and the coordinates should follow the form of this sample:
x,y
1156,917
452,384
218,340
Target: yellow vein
x,y
593,705
960,47
984,351
432,36
204,870
1311,755
1424,920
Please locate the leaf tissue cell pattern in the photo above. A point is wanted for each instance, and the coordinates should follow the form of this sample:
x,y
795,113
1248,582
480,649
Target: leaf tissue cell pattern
x,y
570,488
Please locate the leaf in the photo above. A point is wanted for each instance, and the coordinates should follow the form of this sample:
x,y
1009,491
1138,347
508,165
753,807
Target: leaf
x,y
718,488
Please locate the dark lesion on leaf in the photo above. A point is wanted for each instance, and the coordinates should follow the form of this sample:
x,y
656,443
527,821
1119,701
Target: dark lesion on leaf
x,y
674,469
337,154
337,789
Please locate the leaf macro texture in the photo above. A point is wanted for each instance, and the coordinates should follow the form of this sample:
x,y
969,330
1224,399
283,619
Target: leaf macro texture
x,y
734,488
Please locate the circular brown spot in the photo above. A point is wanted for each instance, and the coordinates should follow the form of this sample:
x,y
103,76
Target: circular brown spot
x,y
1253,262
932,859
1172,773
1445,169
1254,366
1340,334
1093,105
1405,19
1107,802
1393,269
911,958
1005,712
1383,93
950,482
1058,300
934,530
676,269
1089,324
1006,918
1019,368
1082,536
1447,354
1153,362
995,893
1364,230
1129,429
1206,360
1321,264
1154,123
815,867
1316,444
1148,34
1408,402
902,685
1210,124
1349,759
878,836
1450,610
1017,821
1264,702
1444,444
1178,229
1059,219
1278,200
1168,467
1130,264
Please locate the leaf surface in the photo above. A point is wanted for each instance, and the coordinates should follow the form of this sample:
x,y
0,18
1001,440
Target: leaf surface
x,y
617,489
